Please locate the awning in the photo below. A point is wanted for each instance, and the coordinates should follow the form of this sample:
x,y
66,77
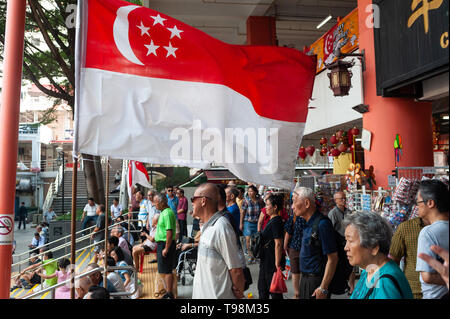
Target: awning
x,y
219,175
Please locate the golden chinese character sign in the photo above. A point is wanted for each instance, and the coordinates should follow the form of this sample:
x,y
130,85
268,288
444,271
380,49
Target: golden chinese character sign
x,y
344,35
411,43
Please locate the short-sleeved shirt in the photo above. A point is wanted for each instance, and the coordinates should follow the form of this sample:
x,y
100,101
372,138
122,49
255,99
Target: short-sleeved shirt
x,y
337,216
218,252
272,231
116,210
166,222
434,234
38,243
49,216
100,234
173,204
384,287
404,244
90,210
295,231
313,258
252,209
182,204
50,266
236,214
122,272
144,208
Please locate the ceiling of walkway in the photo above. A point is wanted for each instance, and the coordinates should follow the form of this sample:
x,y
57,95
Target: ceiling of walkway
x,y
296,20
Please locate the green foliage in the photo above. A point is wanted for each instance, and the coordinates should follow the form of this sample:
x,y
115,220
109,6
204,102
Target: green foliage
x,y
180,175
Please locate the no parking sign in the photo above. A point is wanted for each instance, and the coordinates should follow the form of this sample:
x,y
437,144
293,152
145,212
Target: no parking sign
x,y
6,230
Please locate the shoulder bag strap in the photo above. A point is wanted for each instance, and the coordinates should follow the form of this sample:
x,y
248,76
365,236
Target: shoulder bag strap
x,y
392,278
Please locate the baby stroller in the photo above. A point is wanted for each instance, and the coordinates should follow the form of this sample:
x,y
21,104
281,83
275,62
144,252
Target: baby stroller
x,y
187,262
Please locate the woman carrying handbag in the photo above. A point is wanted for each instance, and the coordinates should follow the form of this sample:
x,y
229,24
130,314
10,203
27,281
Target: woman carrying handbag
x,y
272,257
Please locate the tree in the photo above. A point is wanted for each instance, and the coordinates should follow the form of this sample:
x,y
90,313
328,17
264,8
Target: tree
x,y
54,63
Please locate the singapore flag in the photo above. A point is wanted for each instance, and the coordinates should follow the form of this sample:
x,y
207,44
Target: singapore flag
x,y
156,90
137,174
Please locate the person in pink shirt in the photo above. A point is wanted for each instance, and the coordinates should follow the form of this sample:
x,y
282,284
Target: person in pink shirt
x,y
181,211
63,273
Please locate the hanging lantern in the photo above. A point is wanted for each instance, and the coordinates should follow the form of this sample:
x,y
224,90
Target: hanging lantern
x,y
342,148
334,140
323,141
339,134
335,152
302,153
310,150
324,151
340,77
354,131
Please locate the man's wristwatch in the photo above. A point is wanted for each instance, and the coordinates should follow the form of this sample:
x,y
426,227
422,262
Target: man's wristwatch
x,y
323,291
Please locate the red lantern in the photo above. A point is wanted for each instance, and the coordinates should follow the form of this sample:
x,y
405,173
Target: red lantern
x,y
354,131
323,151
342,148
323,141
335,152
310,150
334,140
302,153
339,134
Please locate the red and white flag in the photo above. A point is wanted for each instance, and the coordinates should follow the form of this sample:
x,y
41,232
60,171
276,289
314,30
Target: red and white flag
x,y
153,89
137,174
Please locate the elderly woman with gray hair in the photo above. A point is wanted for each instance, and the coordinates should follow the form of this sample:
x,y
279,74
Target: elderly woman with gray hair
x,y
368,238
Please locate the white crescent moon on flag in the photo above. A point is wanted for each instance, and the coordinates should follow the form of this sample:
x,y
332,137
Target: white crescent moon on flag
x,y
121,37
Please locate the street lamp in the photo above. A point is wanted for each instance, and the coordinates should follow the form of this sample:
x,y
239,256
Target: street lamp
x,y
60,161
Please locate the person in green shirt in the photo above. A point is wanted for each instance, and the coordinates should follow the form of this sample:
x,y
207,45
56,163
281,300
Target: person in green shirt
x,y
50,266
165,240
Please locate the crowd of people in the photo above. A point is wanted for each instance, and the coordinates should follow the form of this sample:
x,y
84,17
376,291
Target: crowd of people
x,y
323,250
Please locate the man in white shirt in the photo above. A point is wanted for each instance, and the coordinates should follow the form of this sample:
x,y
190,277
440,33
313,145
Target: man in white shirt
x,y
89,213
152,210
218,273
37,241
116,209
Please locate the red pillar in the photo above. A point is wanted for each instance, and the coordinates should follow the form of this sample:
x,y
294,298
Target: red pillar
x,y
390,116
261,31
9,130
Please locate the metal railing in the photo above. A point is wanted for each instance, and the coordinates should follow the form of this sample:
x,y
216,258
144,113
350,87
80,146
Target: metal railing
x,y
53,189
420,171
67,244
87,273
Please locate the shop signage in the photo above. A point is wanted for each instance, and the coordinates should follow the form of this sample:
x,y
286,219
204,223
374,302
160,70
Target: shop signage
x,y
411,44
344,35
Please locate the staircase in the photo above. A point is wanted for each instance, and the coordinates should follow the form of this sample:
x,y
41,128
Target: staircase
x,y
82,196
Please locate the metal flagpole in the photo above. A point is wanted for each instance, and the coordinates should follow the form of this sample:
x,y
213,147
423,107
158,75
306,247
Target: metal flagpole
x,y
106,225
9,131
73,225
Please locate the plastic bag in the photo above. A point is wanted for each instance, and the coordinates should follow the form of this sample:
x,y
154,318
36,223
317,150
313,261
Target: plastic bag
x,y
278,286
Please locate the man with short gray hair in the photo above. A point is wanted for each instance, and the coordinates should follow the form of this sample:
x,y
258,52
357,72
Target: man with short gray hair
x,y
318,253
117,231
433,205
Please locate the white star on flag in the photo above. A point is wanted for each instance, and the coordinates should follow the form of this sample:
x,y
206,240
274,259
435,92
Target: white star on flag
x,y
170,50
175,32
144,29
151,48
158,19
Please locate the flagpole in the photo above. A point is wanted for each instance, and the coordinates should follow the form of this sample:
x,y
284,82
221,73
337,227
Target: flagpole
x,y
9,131
73,225
105,266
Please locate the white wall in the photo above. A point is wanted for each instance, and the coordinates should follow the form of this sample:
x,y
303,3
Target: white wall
x,y
329,110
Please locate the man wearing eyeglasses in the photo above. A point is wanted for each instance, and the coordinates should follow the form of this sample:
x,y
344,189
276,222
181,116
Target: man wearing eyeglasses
x,y
433,206
218,273
337,215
